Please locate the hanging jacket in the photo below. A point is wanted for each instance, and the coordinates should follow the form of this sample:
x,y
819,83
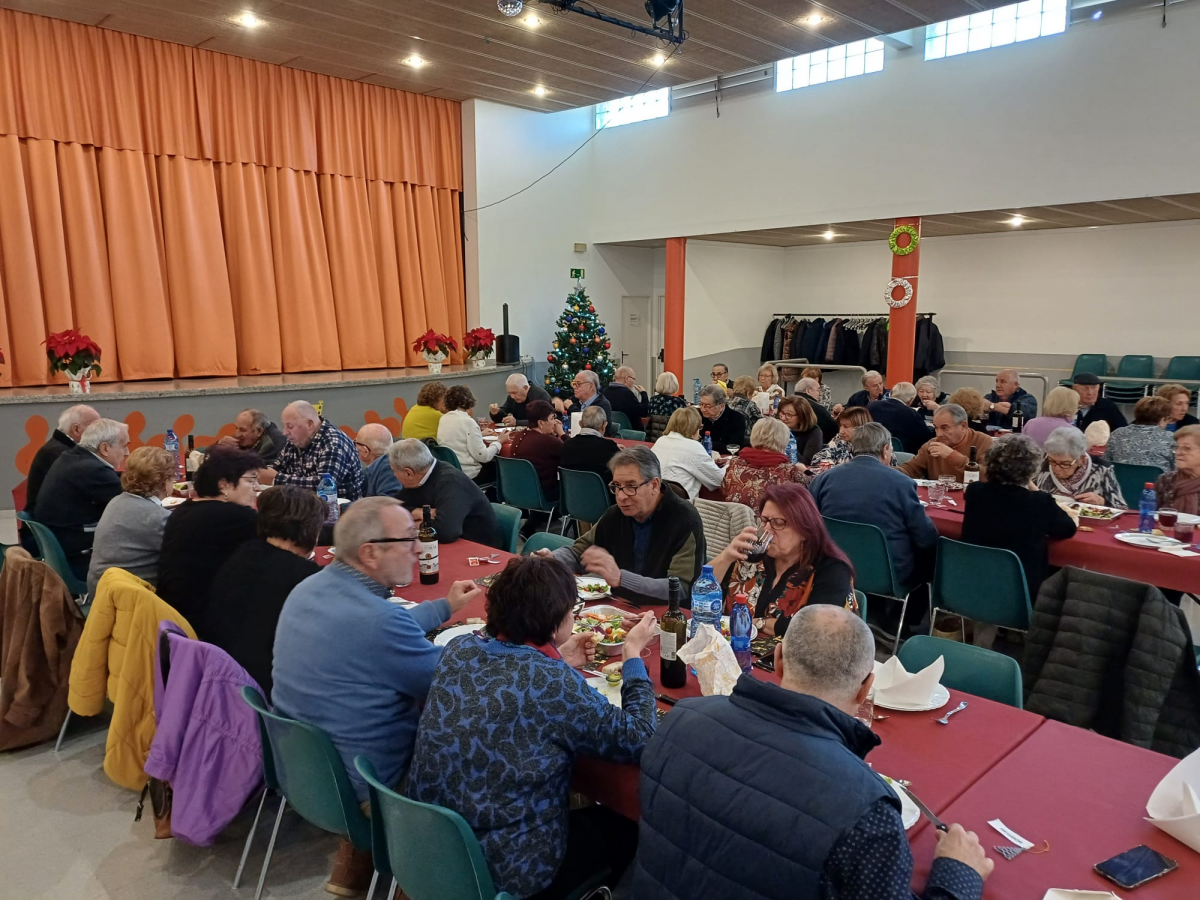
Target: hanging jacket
x,y
928,352
835,341
207,743
865,345
789,339
777,349
812,340
848,353
40,627
879,347
768,344
115,657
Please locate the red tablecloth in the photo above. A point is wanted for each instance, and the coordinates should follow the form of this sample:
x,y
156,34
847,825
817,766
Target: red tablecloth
x,y
1083,793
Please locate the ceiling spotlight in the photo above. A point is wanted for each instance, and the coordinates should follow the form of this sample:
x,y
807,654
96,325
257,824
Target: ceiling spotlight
x,y
540,91
413,61
532,21
510,7
248,20
658,60
829,235
1017,221
814,20
1097,14
660,9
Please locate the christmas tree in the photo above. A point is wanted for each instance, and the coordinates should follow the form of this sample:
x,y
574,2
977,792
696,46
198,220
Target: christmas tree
x,y
581,343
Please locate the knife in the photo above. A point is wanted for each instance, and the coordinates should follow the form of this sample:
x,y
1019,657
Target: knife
x,y
937,823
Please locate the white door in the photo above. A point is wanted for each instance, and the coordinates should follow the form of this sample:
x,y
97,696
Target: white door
x,y
637,338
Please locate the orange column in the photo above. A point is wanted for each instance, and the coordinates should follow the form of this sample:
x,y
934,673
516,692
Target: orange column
x,y
673,314
902,323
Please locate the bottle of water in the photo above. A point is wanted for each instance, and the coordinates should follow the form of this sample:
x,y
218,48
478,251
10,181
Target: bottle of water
x,y
740,624
695,391
707,442
171,445
792,452
1146,509
707,602
566,420
775,406
327,491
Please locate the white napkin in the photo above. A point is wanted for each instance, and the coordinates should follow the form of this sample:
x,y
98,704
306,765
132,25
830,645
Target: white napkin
x,y
576,418
893,683
195,458
1060,894
1177,550
712,658
1175,804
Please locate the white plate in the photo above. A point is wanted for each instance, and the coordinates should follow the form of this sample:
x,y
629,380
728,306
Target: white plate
x,y
457,631
908,810
1152,541
753,630
940,698
581,580
599,685
1112,509
172,502
1185,519
606,611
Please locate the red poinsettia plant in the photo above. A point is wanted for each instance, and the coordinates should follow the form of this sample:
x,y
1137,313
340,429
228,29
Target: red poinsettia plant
x,y
72,352
478,342
434,343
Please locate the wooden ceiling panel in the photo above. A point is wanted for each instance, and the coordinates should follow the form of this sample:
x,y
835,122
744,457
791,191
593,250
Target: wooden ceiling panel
x,y
845,20
72,12
323,67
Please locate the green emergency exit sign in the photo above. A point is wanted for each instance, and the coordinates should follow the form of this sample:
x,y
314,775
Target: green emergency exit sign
x,y
577,273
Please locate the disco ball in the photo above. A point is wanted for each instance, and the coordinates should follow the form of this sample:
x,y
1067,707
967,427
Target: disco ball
x,y
510,7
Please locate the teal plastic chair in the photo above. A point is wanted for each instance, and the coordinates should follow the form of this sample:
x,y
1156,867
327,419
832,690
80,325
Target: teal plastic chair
x,y
874,572
621,421
446,455
628,434
1133,480
584,496
974,670
984,584
1183,368
862,604
1132,366
270,786
897,445
521,487
545,540
508,520
312,778
53,555
1096,363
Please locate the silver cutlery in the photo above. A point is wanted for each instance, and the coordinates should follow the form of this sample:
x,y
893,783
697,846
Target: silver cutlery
x,y
937,823
945,720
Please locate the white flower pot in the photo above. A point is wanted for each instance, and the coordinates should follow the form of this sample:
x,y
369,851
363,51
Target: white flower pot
x,y
478,362
80,382
435,361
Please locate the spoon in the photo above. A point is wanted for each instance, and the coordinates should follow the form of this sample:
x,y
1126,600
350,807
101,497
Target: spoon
x,y
945,720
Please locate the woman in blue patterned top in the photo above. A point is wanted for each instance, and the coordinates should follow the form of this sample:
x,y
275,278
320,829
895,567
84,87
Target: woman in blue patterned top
x,y
504,720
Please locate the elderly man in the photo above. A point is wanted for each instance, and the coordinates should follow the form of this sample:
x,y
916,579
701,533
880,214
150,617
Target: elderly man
x,y
650,535
254,431
1093,407
1006,399
586,386
873,389
314,448
365,688
720,375
900,419
79,485
949,452
726,426
810,390
71,424
867,489
460,509
625,395
372,443
520,394
832,828
590,450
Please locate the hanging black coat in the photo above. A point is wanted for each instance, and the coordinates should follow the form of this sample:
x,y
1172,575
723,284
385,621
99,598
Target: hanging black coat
x,y
928,353
768,344
812,340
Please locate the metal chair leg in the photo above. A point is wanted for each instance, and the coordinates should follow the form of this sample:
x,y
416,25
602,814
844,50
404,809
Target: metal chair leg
x,y
237,878
374,881
900,627
392,890
62,732
262,876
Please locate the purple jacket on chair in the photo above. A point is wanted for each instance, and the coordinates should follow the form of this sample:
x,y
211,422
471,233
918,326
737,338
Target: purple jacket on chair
x,y
207,744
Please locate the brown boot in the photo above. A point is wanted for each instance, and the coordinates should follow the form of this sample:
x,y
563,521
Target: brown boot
x,y
352,871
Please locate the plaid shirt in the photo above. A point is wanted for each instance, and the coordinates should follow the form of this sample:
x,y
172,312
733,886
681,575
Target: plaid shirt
x,y
328,451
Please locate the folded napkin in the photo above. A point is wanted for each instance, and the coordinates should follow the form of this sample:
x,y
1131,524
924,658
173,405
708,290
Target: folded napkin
x,y
894,684
1060,894
710,655
1175,804
1178,550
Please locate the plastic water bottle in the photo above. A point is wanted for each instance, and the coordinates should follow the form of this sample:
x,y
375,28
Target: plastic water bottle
x,y
171,445
696,391
1146,509
707,602
707,442
566,420
792,452
327,491
740,624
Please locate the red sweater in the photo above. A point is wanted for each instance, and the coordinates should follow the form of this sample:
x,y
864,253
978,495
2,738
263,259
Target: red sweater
x,y
544,451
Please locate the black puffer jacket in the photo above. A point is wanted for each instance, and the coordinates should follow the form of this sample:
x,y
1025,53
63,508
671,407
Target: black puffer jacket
x,y
1114,656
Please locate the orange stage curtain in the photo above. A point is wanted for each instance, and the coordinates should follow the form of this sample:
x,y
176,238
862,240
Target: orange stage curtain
x,y
201,214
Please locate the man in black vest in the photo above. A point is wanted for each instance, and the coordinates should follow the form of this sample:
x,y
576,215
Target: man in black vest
x,y
726,426
832,827
625,395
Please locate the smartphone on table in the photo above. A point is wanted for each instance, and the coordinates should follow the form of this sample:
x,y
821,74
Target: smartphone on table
x,y
1135,867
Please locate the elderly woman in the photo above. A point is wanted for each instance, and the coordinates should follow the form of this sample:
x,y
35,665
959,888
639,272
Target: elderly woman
x,y
816,375
762,464
802,565
1146,442
459,431
664,402
1180,399
768,388
838,450
1058,411
130,533
741,393
421,422
512,751
798,416
1180,489
541,443
1070,471
972,402
929,395
1005,511
683,458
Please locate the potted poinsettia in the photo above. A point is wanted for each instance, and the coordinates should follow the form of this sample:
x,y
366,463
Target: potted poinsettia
x,y
478,344
435,348
75,354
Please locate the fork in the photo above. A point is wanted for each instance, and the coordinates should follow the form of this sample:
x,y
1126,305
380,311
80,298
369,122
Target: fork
x,y
945,720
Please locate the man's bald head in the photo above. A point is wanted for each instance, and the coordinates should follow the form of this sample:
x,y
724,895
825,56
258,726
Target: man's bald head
x,y
828,652
372,441
300,422
1007,382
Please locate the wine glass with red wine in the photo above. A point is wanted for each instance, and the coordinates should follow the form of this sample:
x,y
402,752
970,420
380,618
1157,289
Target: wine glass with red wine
x,y
758,550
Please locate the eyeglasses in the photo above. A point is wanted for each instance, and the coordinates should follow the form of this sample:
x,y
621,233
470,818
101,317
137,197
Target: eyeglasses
x,y
1070,464
776,524
386,540
704,404
628,490
361,445
253,479
575,384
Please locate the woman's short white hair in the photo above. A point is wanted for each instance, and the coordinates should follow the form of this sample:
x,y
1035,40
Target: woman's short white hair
x,y
769,434
1067,441
932,382
666,383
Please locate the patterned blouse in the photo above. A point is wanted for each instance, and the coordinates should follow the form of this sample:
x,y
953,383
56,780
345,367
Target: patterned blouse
x,y
829,581
746,483
1100,478
1142,445
664,404
749,410
837,452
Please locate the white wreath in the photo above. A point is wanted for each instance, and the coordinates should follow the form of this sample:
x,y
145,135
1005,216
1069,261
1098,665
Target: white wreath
x,y
892,285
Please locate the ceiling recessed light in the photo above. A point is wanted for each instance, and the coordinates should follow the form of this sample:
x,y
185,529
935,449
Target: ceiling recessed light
x,y
413,61
532,21
1016,221
540,91
248,20
415,37
814,20
1097,14
829,235
659,59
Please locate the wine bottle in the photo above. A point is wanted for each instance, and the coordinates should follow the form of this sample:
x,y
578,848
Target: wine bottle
x,y
427,548
189,465
971,470
674,633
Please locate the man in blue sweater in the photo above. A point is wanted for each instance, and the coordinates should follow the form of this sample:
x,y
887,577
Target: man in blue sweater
x,y
832,829
356,665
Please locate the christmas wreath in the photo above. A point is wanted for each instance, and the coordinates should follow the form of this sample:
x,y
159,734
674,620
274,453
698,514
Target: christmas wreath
x,y
898,283
912,244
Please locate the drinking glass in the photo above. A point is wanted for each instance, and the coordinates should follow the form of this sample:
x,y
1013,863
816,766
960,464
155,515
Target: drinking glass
x,y
758,550
1184,531
732,449
947,480
1167,519
937,493
866,712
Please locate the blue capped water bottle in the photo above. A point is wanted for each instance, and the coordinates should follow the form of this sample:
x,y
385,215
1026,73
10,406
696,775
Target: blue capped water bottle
x,y
327,491
695,391
707,442
740,625
1146,509
791,448
171,445
707,602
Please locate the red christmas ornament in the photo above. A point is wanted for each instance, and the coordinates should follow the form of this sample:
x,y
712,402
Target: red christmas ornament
x,y
572,340
550,357
581,326
607,346
591,309
587,365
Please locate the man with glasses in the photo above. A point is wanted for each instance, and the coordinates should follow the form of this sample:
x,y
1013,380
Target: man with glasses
x,y
627,396
720,375
650,535
727,426
372,443
587,394
460,509
352,663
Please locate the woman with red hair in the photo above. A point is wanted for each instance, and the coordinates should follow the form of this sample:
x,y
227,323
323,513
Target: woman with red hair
x,y
802,565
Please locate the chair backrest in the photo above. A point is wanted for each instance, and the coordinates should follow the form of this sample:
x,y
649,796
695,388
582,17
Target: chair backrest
x,y
1096,363
975,670
52,553
1182,368
583,495
722,522
1133,480
868,551
628,434
446,455
862,604
520,485
311,775
902,457
508,522
985,584
431,851
544,540
1136,366
897,445
621,421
